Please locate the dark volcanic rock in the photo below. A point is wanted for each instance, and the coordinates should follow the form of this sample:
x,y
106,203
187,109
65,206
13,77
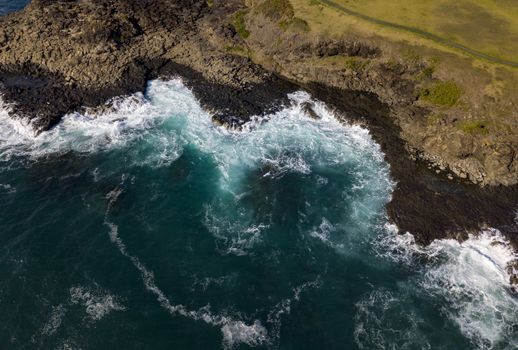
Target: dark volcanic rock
x,y
45,97
308,108
426,204
57,57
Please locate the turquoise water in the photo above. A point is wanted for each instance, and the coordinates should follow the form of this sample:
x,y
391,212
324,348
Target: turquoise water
x,y
150,228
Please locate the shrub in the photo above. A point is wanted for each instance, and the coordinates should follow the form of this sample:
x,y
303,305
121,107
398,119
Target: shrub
x,y
295,23
442,93
240,25
356,64
277,9
474,127
427,72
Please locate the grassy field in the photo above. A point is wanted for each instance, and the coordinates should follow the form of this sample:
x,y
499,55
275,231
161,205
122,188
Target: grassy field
x,y
484,27
477,75
467,50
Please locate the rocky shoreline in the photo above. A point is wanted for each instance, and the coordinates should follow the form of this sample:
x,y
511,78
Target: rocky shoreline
x,y
59,56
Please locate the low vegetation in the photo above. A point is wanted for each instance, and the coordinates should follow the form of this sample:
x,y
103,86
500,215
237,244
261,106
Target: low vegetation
x,y
295,24
240,24
474,127
277,9
442,93
356,64
436,118
236,50
487,26
283,12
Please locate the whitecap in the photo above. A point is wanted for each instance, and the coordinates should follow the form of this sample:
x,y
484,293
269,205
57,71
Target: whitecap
x,y
54,321
123,121
474,283
386,321
234,233
97,303
323,233
234,331
470,281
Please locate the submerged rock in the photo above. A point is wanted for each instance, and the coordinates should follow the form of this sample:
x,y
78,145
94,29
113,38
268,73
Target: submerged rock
x,y
308,108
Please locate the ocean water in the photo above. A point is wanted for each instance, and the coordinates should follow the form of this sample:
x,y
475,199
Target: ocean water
x,y
148,227
7,6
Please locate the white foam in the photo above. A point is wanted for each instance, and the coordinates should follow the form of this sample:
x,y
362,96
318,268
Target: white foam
x,y
7,188
205,282
97,302
54,322
68,345
234,331
323,233
474,281
123,121
234,234
470,280
284,307
385,321
168,119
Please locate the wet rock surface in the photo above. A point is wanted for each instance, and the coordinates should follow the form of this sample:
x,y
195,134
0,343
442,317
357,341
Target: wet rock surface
x,y
427,204
57,57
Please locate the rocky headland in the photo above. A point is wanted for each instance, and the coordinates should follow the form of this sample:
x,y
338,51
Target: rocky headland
x,y
241,58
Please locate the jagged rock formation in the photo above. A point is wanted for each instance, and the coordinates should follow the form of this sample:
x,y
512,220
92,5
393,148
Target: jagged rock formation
x,y
60,56
57,56
432,133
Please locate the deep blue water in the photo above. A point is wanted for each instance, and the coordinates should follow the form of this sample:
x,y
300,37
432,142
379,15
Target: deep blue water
x,y
7,6
150,228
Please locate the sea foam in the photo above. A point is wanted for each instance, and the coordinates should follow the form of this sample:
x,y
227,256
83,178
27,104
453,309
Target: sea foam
x,y
469,281
97,303
234,331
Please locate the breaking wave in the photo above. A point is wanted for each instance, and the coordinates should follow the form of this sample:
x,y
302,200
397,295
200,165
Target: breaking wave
x,y
469,281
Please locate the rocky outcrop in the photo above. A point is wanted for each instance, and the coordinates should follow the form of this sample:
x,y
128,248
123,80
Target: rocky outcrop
x,y
444,136
60,56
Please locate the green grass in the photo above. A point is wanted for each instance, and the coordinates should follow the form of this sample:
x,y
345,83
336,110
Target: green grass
x,y
442,93
356,64
489,27
236,50
240,25
474,127
282,11
435,118
277,9
295,24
